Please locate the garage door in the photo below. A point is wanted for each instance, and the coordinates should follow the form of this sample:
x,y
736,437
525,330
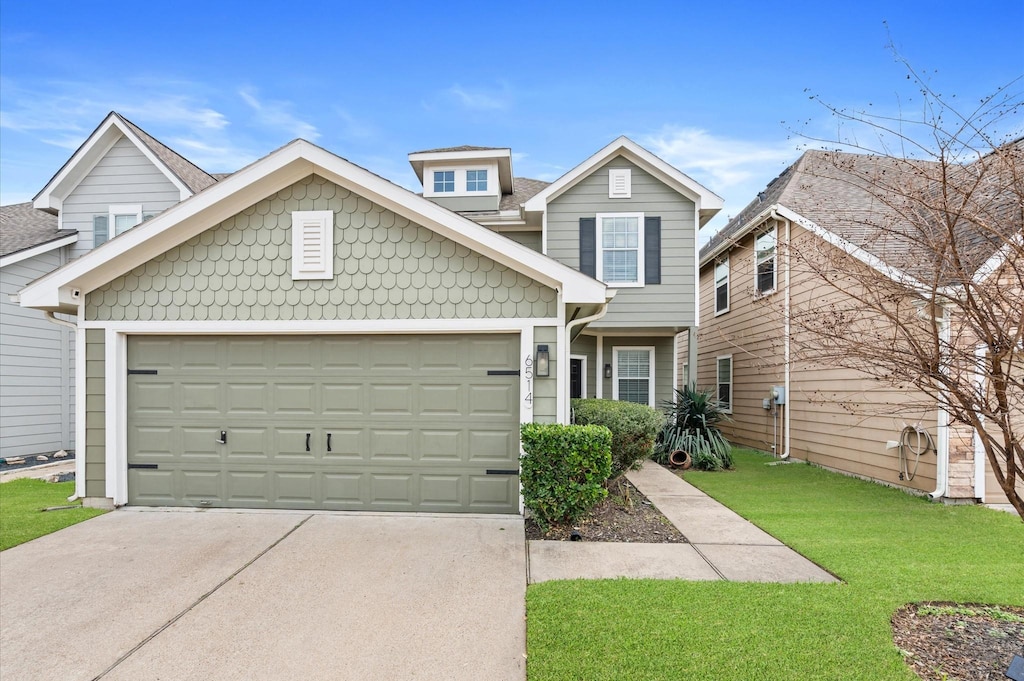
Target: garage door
x,y
391,423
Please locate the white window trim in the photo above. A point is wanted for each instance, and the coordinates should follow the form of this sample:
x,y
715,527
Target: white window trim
x,y
323,222
715,285
433,181
121,209
583,369
615,370
493,181
775,256
618,176
732,373
487,179
640,250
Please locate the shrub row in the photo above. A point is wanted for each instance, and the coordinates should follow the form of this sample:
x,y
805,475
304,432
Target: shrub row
x,y
634,427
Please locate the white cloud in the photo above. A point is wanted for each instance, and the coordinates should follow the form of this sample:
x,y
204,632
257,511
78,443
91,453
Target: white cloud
x,y
733,168
481,100
277,114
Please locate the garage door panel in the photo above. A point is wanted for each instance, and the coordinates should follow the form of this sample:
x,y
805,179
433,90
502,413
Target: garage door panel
x,y
414,422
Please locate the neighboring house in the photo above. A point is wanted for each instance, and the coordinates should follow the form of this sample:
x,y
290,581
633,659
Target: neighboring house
x,y
305,334
837,418
119,177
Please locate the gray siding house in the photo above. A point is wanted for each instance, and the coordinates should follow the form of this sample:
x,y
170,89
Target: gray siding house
x,y
305,334
119,177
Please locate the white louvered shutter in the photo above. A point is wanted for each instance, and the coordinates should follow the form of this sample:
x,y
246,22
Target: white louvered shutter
x,y
619,183
313,244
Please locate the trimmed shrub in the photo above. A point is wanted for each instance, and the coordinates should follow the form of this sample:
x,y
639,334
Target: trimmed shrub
x,y
563,470
634,429
692,426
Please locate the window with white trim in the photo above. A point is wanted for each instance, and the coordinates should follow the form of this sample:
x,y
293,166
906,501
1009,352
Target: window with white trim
x,y
723,392
124,217
444,181
633,375
620,248
722,285
765,247
476,180
620,184
312,244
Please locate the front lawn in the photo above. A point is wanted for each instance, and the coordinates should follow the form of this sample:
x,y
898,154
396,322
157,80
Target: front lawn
x,y
22,518
890,549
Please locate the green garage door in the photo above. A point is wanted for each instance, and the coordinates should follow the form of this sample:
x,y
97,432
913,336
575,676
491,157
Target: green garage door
x,y
392,423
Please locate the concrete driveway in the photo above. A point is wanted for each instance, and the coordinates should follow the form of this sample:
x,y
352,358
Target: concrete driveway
x,y
266,595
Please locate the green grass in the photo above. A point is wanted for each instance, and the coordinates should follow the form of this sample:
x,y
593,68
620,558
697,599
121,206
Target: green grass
x,y
22,518
890,548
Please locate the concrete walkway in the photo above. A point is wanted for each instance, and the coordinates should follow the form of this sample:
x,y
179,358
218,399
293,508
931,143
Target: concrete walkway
x,y
722,545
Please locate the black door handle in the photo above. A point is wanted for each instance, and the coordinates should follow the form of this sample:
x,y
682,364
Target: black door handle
x,y
307,442
223,438
328,442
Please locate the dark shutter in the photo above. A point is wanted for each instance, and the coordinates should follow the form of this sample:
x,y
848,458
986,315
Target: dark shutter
x,y
100,231
652,250
588,246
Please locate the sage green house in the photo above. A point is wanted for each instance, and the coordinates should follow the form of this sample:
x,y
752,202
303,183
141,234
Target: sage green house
x,y
305,334
623,216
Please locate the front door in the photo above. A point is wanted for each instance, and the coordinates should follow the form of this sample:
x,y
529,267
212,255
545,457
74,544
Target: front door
x,y
575,378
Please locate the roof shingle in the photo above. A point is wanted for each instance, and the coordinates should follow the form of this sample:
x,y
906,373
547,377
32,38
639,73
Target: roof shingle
x,y
23,227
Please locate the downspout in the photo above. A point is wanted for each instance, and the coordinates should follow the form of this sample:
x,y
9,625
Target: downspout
x,y
602,311
51,316
942,427
785,343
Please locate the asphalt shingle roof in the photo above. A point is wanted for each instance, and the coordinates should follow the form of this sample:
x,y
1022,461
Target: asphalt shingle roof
x,y
523,190
464,147
191,175
23,227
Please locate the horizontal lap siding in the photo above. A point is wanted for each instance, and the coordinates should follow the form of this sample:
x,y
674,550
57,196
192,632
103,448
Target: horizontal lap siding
x,y
545,390
123,176
95,414
670,303
36,368
838,418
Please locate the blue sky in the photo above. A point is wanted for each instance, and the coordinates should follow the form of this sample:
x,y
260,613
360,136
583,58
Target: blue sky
x,y
717,89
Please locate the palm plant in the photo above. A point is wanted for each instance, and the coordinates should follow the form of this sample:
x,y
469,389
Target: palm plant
x,y
692,426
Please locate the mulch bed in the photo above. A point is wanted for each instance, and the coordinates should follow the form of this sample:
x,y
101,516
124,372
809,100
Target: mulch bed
x,y
625,515
959,642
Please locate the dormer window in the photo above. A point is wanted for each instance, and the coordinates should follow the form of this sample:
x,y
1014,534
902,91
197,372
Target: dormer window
x,y
444,181
476,180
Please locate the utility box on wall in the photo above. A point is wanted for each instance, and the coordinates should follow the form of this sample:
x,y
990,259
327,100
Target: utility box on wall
x,y
779,394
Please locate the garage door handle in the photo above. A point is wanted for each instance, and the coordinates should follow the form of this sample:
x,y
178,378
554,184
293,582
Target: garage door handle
x,y
223,438
307,442
328,442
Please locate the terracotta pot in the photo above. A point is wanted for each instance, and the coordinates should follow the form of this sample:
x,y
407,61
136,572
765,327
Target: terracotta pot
x,y
680,459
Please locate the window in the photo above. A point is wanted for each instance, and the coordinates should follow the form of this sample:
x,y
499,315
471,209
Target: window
x,y
722,286
123,218
476,180
619,183
724,391
633,375
444,181
620,240
764,249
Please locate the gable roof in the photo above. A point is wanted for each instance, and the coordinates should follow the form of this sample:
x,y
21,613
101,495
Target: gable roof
x,y
709,203
23,230
182,173
464,147
64,289
853,201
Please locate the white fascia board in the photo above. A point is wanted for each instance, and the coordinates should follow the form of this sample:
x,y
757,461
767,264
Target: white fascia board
x,y
12,258
710,202
997,259
735,238
85,158
286,166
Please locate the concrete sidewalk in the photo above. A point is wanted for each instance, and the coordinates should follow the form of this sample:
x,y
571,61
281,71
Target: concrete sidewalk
x,y
722,545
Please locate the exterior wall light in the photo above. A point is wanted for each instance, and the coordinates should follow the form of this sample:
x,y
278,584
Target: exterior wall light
x,y
607,370
542,368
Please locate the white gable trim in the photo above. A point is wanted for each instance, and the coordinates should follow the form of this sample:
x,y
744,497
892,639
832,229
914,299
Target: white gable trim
x,y
85,158
709,201
32,252
64,288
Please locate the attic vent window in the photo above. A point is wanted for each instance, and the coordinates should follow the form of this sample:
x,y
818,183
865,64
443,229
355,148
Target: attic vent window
x,y
313,244
619,183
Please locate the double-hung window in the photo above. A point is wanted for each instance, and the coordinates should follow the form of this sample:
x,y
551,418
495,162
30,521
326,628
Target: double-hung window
x,y
722,285
444,181
620,245
633,375
724,390
765,257
476,180
118,220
